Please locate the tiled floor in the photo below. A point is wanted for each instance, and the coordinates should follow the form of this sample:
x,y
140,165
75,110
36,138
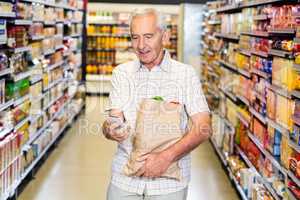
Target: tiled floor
x,y
79,168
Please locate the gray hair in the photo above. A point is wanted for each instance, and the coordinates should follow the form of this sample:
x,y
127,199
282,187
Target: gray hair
x,y
161,18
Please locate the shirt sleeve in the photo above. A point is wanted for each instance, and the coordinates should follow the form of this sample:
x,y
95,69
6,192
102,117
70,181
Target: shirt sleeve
x,y
119,96
195,101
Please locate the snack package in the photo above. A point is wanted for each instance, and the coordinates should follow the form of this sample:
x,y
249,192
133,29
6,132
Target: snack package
x,y
157,128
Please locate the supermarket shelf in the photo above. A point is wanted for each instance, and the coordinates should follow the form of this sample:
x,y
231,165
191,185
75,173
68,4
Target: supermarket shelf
x,y
108,35
229,8
256,33
5,71
51,4
21,100
6,105
296,93
229,95
51,67
294,145
52,102
291,195
274,162
277,126
244,72
297,67
280,91
49,52
259,96
227,36
282,31
35,117
35,79
228,65
21,76
294,178
260,53
245,52
91,77
34,163
59,47
258,115
244,157
21,49
54,83
237,185
49,23
243,120
20,124
259,3
10,163
37,37
219,152
280,53
76,35
6,131
243,99
265,183
260,73
260,17
214,22
296,120
22,22
8,14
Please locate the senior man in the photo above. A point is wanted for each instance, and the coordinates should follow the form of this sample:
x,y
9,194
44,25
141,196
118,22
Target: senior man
x,y
154,73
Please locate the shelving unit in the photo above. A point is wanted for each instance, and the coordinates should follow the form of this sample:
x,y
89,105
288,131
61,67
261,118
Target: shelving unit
x,y
248,79
38,91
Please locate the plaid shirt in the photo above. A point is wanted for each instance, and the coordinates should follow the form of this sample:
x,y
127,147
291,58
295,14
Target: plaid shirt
x,y
131,83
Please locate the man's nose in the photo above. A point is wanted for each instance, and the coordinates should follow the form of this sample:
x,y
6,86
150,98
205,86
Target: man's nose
x,y
141,44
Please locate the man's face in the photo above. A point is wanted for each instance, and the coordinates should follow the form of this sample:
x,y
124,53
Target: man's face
x,y
147,38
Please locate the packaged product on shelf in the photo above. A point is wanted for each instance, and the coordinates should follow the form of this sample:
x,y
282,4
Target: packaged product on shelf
x,y
21,112
259,130
55,58
286,152
271,104
273,141
78,15
15,90
60,15
261,64
231,24
284,17
6,7
283,116
6,120
244,88
228,141
285,45
19,62
36,49
294,188
36,90
36,29
261,44
48,44
218,130
17,36
24,10
283,73
38,12
242,61
294,164
23,132
49,15
3,32
231,112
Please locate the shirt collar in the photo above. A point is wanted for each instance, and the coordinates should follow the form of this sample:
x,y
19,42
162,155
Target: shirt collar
x,y
164,65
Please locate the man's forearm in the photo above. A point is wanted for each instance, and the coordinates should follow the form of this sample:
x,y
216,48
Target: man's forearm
x,y
199,132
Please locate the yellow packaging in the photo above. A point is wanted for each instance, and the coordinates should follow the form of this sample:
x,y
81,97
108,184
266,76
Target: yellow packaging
x,y
284,110
286,152
231,112
283,73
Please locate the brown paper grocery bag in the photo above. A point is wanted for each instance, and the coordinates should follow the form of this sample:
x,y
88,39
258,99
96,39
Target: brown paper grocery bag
x,y
157,128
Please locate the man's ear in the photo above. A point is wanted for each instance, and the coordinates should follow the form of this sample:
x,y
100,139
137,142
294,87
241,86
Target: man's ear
x,y
166,37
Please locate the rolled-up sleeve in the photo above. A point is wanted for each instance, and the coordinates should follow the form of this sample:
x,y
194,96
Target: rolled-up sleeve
x,y
195,101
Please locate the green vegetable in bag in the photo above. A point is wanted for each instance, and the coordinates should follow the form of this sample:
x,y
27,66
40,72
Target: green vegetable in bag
x,y
158,98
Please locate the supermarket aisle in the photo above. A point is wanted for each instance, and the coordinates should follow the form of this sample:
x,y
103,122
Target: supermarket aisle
x,y
80,167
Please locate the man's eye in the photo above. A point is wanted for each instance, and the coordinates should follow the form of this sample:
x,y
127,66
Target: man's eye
x,y
148,36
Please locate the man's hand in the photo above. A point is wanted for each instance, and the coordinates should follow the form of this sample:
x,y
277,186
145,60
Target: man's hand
x,y
110,132
155,165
